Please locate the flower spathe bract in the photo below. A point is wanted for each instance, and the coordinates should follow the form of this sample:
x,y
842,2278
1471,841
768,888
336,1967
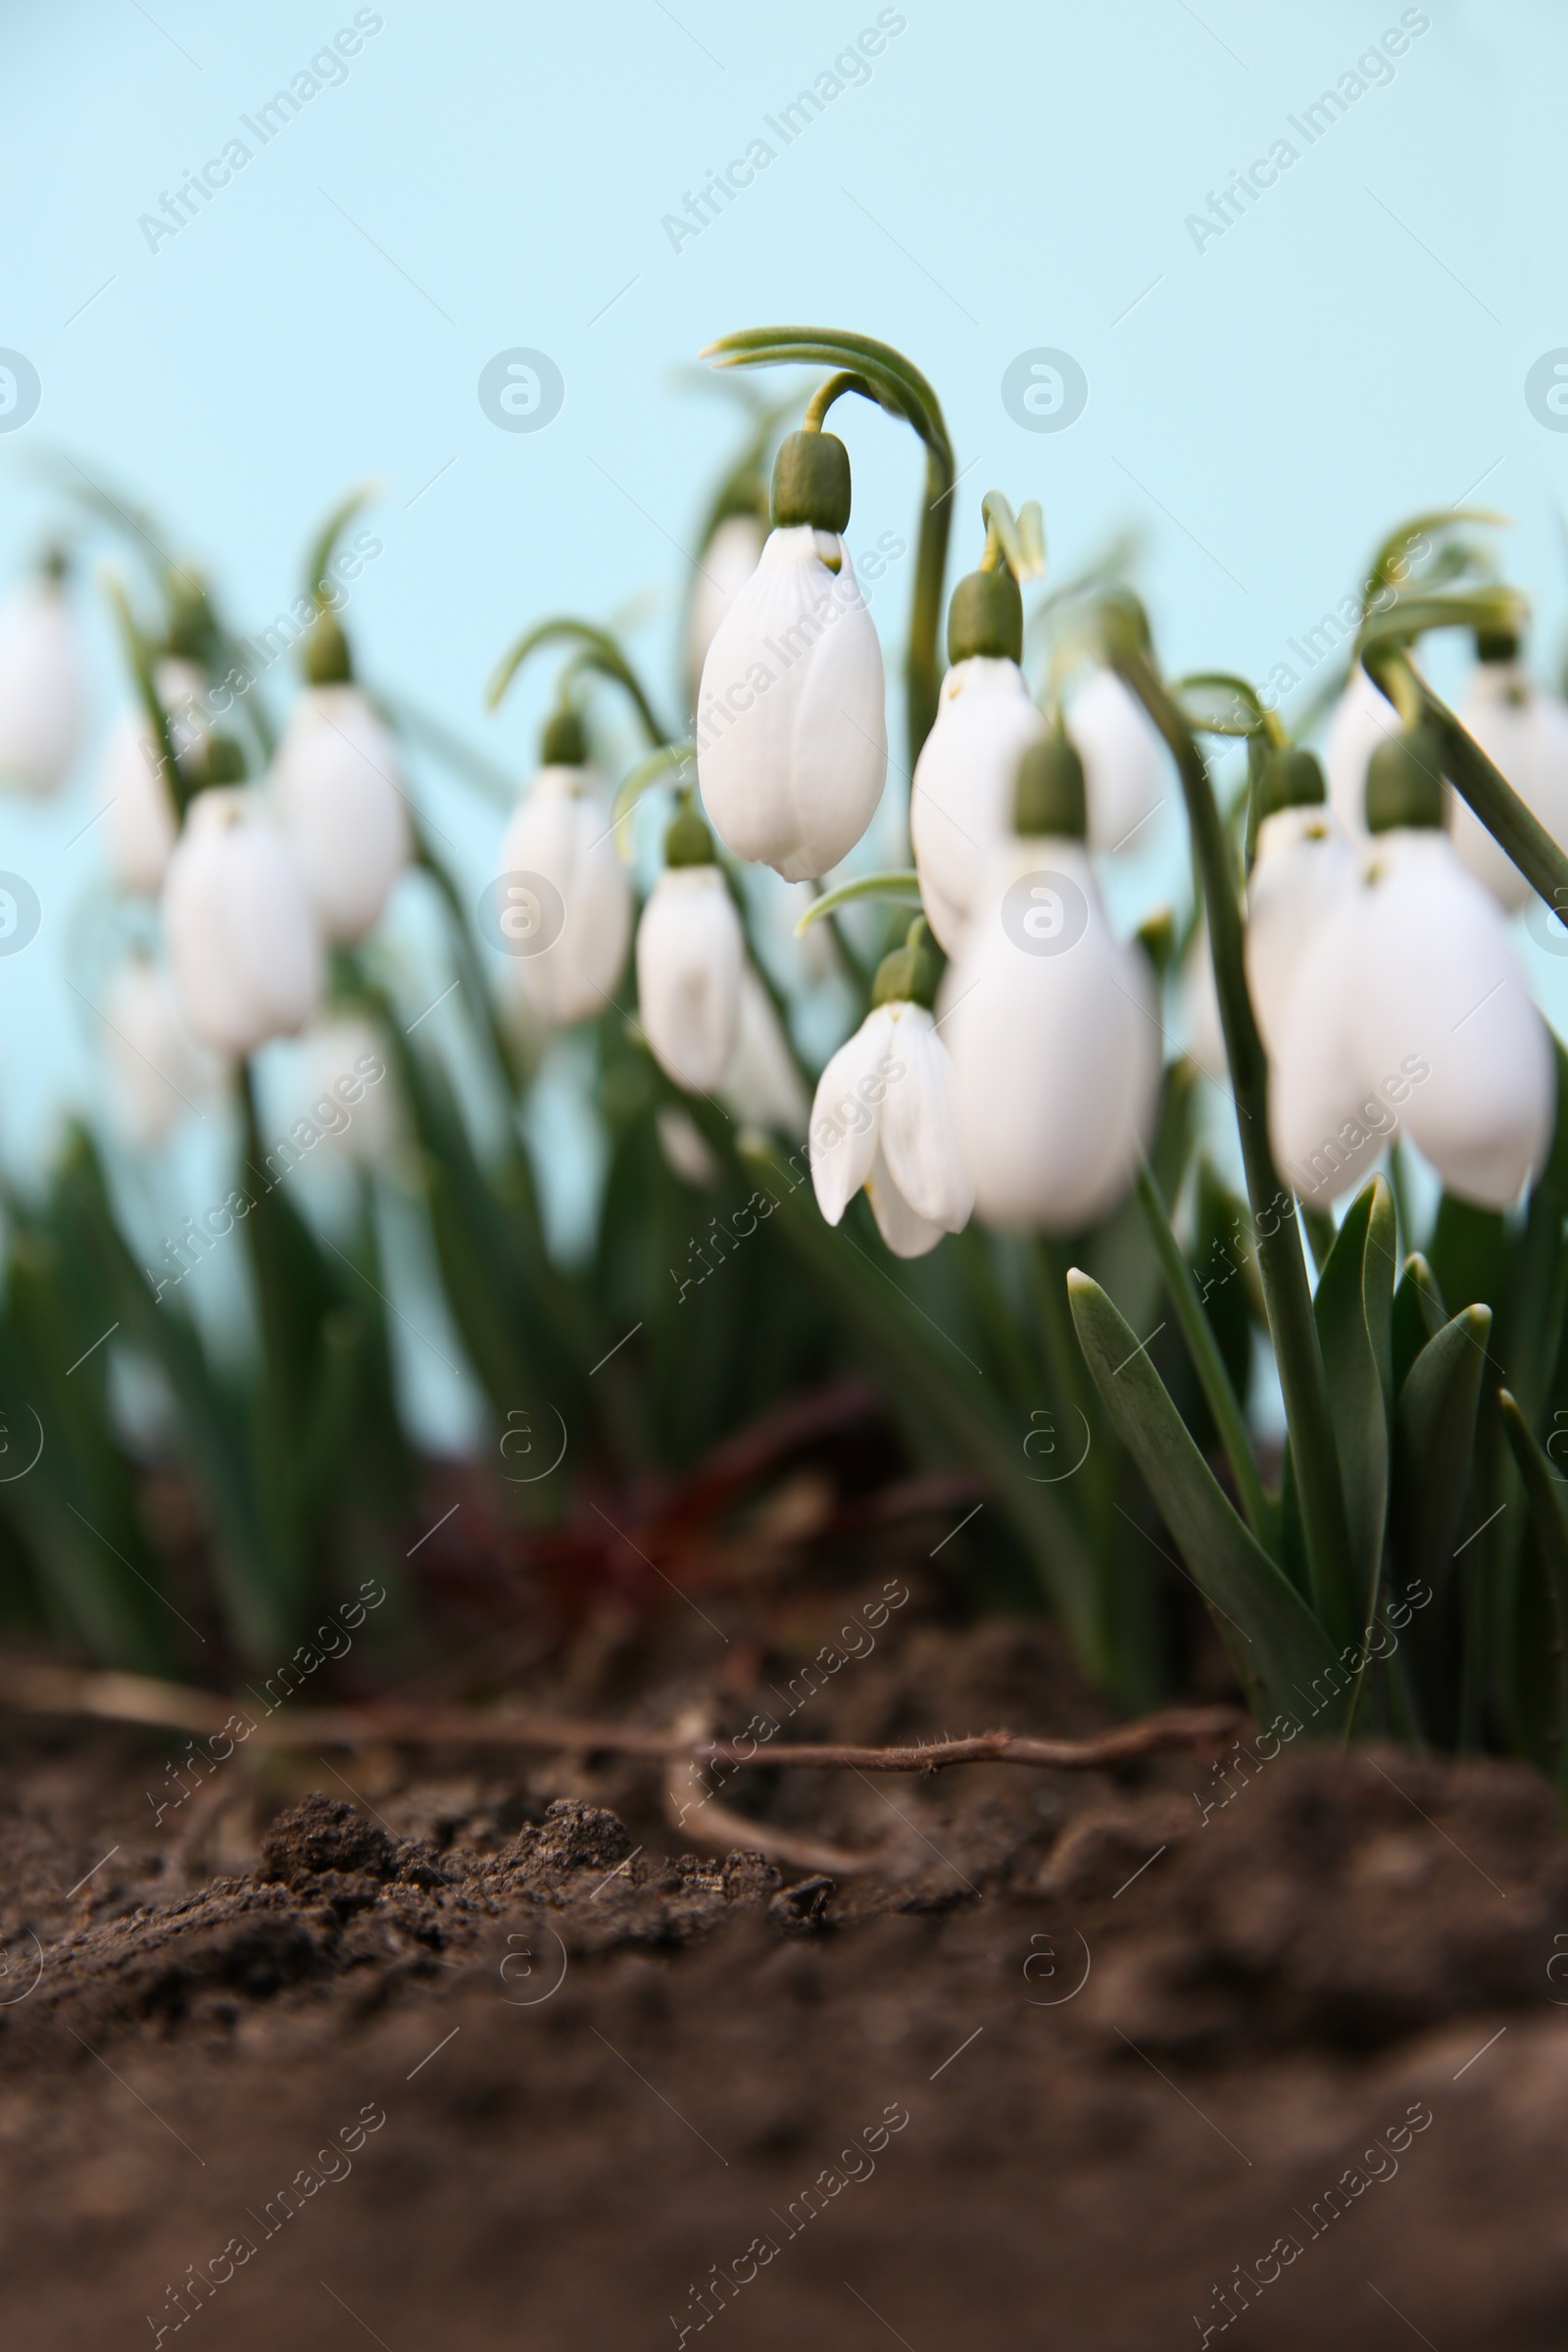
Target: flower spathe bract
x,y
563,833
1127,771
885,1118
1054,1034
1523,731
41,695
243,946
790,726
1409,1008
960,805
340,797
1302,862
690,950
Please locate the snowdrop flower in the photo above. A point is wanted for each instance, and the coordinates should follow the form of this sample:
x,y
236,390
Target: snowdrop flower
x,y
723,569
1052,1023
1524,731
1409,1003
1301,863
158,1070
885,1117
690,950
960,805
1127,769
561,835
243,946
1363,717
340,794
140,823
763,1087
791,727
41,694
342,1089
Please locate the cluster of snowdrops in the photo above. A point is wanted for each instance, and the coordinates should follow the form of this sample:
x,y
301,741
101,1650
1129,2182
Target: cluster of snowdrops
x,y
1012,1060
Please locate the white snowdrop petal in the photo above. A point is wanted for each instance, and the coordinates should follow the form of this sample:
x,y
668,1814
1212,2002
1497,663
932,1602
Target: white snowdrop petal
x,y
138,813
1363,716
846,1113
243,947
728,561
960,805
42,691
1303,863
905,1232
1440,990
690,952
1524,731
562,832
791,725
340,794
1127,770
1056,1055
920,1143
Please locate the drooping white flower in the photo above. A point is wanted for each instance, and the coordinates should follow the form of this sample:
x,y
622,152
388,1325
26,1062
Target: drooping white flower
x,y
1409,1008
1127,768
1054,1033
41,692
140,825
960,805
158,1071
723,569
1524,731
690,950
243,946
885,1117
344,1087
561,833
340,797
1303,863
1363,717
762,1086
790,726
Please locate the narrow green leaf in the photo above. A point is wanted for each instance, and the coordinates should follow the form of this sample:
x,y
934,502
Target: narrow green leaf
x,y
1353,1308
1419,1314
1434,1427
1279,1648
1546,1497
1208,1361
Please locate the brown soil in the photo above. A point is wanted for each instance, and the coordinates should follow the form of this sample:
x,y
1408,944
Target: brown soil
x,y
1069,2060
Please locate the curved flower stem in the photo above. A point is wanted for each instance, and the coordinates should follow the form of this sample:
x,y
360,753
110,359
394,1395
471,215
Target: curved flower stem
x,y
848,379
899,388
1208,1362
901,888
599,651
1279,1246
1518,833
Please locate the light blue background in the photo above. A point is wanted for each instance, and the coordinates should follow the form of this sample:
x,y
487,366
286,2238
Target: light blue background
x,y
1009,176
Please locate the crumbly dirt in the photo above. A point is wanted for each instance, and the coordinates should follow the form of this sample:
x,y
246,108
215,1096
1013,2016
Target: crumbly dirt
x,y
1075,2064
